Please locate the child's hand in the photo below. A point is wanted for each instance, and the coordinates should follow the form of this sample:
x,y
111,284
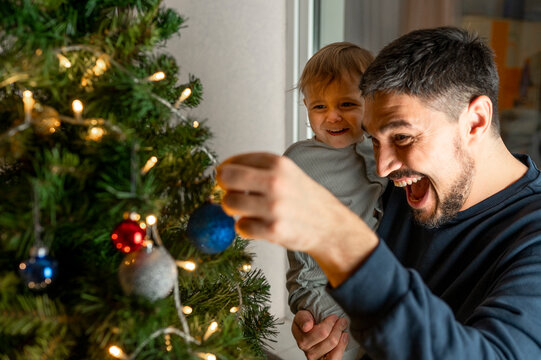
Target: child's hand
x,y
326,340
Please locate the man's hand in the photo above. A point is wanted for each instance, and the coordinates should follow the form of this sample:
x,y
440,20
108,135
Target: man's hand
x,y
325,340
276,201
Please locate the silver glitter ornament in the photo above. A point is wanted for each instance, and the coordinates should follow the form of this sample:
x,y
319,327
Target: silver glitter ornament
x,y
149,272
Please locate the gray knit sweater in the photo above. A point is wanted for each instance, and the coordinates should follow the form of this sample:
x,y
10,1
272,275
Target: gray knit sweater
x,y
349,174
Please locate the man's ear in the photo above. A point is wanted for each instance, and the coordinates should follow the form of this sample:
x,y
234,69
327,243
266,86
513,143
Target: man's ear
x,y
478,119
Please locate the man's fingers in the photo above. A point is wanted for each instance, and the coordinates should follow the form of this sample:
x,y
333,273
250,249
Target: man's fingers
x,y
253,228
242,178
258,160
241,204
246,172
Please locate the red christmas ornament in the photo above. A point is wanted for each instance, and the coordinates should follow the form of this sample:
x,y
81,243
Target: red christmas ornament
x,y
128,236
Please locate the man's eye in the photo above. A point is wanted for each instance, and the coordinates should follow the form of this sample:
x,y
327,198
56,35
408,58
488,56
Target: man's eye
x,y
348,104
318,107
402,140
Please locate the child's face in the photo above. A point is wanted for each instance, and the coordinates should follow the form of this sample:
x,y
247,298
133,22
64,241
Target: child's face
x,y
335,112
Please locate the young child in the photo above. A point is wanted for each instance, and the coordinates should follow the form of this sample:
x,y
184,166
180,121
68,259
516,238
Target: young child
x,y
338,158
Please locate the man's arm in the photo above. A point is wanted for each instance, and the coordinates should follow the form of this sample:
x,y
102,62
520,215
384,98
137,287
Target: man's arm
x,y
396,316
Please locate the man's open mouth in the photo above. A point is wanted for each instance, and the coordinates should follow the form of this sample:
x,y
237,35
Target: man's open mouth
x,y
416,188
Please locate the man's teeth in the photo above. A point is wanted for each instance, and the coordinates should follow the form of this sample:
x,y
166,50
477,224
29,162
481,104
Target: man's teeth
x,y
403,183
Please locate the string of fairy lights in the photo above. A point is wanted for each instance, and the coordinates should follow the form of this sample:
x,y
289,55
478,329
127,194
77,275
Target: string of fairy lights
x,y
47,120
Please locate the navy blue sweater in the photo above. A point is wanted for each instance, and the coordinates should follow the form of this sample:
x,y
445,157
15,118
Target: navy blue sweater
x,y
470,289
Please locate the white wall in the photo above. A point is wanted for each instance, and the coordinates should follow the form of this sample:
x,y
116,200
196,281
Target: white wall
x,y
237,49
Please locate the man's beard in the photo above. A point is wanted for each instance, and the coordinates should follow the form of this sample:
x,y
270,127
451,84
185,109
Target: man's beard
x,y
452,202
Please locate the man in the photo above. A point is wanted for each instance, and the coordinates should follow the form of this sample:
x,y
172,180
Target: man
x,y
455,269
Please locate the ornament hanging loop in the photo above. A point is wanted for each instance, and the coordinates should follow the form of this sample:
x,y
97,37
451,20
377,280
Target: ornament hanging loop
x,y
38,229
134,168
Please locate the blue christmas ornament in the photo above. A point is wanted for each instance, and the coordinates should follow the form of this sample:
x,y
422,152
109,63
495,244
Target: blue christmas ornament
x,y
40,270
210,229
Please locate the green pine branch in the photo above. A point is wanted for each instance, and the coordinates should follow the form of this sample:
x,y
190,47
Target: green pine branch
x,y
80,186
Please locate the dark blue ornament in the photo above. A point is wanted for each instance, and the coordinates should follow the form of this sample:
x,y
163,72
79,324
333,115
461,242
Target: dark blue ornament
x,y
210,229
40,270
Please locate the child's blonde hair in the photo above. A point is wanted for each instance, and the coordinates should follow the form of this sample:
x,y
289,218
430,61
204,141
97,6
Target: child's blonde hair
x,y
332,62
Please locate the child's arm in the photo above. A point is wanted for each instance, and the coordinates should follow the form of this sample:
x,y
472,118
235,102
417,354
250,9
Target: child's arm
x,y
306,286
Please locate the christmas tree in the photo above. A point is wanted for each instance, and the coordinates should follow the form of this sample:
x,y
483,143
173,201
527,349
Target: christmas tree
x,y
109,246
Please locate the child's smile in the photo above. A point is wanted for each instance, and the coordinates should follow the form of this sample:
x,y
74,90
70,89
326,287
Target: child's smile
x,y
338,132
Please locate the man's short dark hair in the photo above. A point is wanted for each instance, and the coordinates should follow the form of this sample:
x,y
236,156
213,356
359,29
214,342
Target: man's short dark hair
x,y
447,67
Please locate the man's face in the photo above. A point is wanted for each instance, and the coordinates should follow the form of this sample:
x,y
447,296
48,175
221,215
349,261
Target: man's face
x,y
421,150
335,111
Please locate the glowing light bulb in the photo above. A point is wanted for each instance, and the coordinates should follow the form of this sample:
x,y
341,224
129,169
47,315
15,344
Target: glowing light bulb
x,y
195,124
234,309
183,96
101,65
29,102
41,252
149,164
158,76
138,238
151,220
95,133
134,216
186,265
206,356
77,107
187,310
63,61
246,267
117,352
213,327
